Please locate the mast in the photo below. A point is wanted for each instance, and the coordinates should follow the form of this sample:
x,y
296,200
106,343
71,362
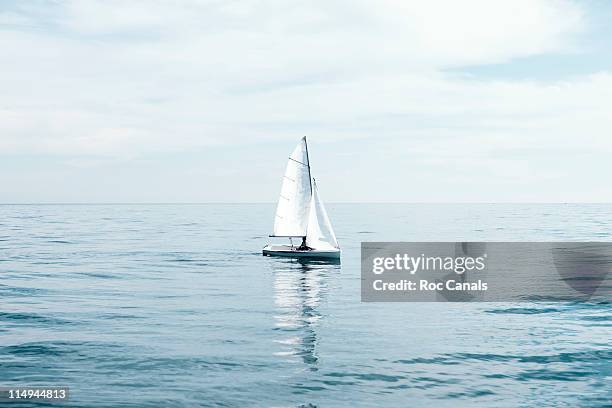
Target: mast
x,y
309,177
308,160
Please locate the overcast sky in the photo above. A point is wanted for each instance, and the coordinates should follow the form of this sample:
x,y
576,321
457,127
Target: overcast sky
x,y
402,101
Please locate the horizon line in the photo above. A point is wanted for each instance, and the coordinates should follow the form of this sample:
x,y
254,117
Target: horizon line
x,y
331,202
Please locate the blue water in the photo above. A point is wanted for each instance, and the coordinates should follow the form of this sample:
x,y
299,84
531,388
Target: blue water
x,y
173,305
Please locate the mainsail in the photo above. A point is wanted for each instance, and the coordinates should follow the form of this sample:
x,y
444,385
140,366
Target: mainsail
x,y
320,232
294,202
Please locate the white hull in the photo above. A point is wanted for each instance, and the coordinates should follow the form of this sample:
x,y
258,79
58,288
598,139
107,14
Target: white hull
x,y
292,252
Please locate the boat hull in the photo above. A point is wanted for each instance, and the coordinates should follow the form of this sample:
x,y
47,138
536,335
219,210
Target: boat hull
x,y
292,252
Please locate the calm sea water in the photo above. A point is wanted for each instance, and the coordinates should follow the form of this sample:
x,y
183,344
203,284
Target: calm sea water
x,y
173,305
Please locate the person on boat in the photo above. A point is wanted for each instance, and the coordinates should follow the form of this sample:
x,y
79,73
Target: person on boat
x,y
303,246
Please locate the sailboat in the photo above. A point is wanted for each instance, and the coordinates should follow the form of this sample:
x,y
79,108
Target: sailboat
x,y
301,214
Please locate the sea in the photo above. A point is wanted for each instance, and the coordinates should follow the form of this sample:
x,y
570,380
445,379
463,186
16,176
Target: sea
x,y
173,305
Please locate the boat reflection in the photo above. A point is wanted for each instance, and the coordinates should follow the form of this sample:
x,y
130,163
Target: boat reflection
x,y
299,288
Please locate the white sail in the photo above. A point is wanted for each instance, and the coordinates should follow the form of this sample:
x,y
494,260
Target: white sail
x,y
294,202
320,232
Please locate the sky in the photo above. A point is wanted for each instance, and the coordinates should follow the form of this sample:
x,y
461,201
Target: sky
x,y
401,101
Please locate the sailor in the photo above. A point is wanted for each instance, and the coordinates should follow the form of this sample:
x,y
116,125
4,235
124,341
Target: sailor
x,y
303,246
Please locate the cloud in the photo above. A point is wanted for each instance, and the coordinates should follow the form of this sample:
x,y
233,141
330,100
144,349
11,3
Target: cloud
x,y
204,71
94,81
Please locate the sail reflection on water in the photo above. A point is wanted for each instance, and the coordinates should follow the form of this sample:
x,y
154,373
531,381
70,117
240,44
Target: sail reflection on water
x,y
299,288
